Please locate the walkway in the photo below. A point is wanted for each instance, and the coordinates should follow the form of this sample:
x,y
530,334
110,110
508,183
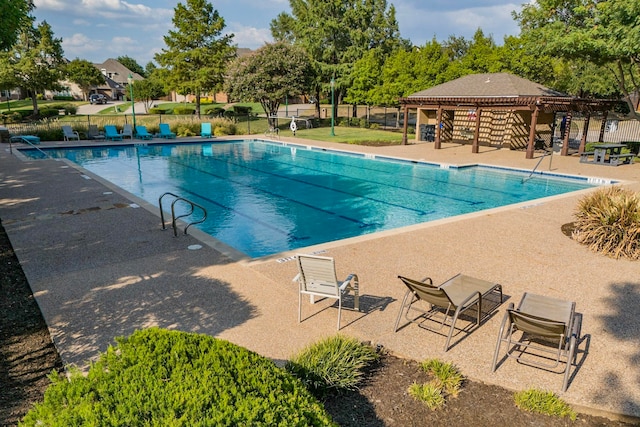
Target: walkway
x,y
100,266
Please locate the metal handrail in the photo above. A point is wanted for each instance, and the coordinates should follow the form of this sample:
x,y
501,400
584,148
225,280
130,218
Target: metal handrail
x,y
546,153
26,141
175,218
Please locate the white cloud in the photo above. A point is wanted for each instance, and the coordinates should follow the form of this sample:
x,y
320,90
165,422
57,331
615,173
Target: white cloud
x,y
250,37
50,4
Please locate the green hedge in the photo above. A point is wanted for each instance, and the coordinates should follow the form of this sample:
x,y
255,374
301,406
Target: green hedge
x,y
158,377
183,110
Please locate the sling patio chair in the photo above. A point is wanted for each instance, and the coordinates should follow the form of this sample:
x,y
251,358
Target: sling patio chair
x,y
94,133
445,302
111,133
165,131
69,133
127,130
142,133
317,278
542,332
205,130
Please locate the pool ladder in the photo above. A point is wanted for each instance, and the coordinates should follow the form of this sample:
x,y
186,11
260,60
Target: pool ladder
x,y
175,218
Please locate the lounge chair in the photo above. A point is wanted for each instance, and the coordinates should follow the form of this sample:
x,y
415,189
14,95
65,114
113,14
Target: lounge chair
x,y
205,130
446,302
141,133
548,330
94,133
69,133
127,130
317,277
165,131
111,133
27,139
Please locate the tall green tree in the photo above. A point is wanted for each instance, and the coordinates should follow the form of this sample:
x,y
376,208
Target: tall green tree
x,y
37,61
336,34
132,65
84,74
269,75
14,16
197,52
604,32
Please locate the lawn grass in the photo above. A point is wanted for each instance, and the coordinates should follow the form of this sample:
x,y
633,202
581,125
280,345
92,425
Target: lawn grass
x,y
27,104
349,135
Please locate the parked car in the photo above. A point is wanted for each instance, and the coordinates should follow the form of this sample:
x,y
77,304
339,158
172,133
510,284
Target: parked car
x,y
97,98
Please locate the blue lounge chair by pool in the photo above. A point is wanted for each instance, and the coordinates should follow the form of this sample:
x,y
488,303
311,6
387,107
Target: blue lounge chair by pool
x,y
111,133
205,130
127,130
165,131
27,139
141,133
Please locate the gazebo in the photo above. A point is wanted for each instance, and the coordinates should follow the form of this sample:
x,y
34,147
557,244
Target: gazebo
x,y
497,109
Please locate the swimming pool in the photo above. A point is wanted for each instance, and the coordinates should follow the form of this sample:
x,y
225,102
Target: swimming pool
x,y
264,198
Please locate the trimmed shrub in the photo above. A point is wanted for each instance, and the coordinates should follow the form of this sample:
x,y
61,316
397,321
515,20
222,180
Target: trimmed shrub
x,y
170,378
214,111
48,112
608,221
241,110
183,110
335,363
70,109
62,98
543,402
157,111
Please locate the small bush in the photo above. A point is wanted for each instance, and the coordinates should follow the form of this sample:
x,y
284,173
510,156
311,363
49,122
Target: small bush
x,y
183,110
241,110
543,402
62,98
224,127
186,130
335,363
169,378
157,111
70,109
446,375
430,394
214,111
48,112
608,221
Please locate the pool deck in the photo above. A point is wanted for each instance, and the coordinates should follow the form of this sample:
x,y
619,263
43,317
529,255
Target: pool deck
x,y
100,266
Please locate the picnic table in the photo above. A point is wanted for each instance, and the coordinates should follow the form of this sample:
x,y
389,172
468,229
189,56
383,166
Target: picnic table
x,y
607,154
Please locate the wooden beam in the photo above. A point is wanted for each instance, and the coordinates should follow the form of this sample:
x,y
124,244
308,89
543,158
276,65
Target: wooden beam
x,y
567,131
405,125
436,143
603,126
475,148
585,130
532,132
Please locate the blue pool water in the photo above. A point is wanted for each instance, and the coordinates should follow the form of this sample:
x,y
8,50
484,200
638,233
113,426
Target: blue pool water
x,y
264,198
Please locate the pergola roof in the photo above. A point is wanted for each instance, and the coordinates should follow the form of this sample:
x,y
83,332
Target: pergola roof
x,y
501,90
488,86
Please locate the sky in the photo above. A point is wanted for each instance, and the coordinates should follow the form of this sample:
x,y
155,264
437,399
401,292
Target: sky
x,y
96,30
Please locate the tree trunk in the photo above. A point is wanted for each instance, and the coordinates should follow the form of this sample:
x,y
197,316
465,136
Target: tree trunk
x,y
34,102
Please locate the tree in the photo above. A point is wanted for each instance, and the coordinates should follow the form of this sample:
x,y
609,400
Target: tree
x,y
148,90
605,33
270,74
132,65
197,54
84,74
336,34
36,60
15,16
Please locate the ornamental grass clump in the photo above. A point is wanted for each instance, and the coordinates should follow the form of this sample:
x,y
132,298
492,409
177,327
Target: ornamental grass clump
x,y
608,221
333,364
158,377
543,402
446,381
